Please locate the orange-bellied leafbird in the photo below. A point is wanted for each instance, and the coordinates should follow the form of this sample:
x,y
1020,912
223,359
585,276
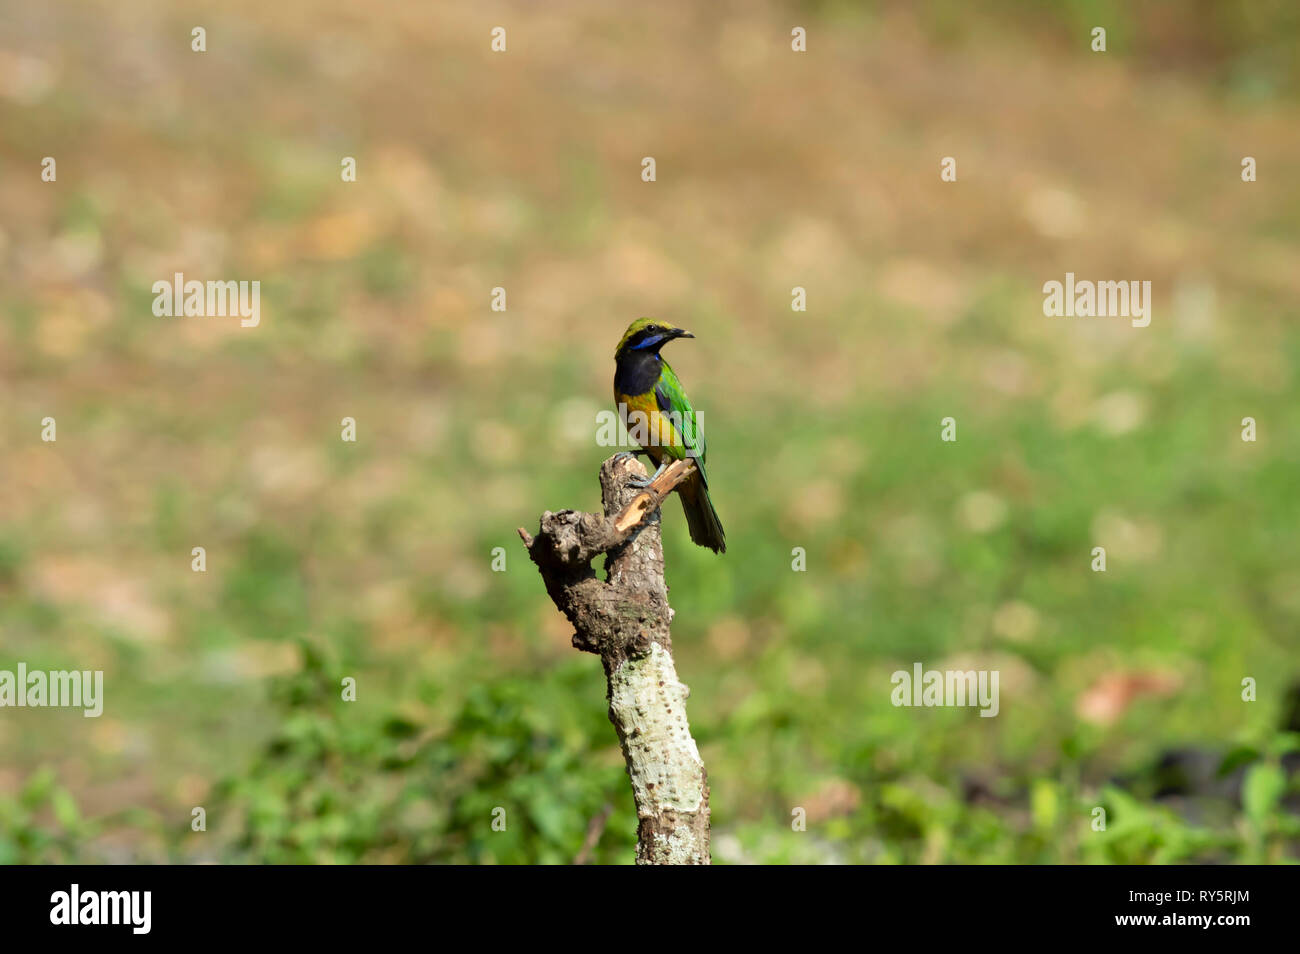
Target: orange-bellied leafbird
x,y
659,417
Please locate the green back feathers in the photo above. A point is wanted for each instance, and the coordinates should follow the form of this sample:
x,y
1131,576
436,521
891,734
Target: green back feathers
x,y
672,399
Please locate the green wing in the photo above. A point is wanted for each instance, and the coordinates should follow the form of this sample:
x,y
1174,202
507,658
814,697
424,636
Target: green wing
x,y
673,400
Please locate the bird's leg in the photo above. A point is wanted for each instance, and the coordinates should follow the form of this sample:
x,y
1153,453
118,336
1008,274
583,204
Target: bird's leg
x,y
643,482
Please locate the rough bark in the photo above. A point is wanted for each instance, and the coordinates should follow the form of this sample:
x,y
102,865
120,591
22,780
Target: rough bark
x,y
625,620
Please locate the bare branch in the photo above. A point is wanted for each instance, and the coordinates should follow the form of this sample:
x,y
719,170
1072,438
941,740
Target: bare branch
x,y
595,829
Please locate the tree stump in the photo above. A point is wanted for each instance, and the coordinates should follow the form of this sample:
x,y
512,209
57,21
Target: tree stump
x,y
625,620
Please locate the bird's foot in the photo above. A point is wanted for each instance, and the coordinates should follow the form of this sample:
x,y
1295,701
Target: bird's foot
x,y
643,482
633,479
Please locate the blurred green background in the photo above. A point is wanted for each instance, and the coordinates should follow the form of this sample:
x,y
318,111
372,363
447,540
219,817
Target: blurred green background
x,y
326,559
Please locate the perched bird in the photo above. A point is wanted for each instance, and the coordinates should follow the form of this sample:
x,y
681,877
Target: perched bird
x,y
659,417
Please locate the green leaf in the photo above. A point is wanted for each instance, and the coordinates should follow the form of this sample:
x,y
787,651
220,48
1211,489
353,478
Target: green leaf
x,y
1235,759
38,787
1262,790
65,809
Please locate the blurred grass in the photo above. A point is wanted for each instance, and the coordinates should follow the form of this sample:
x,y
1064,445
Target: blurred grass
x,y
372,560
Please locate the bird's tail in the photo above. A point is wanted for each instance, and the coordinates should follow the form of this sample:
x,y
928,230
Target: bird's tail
x,y
701,518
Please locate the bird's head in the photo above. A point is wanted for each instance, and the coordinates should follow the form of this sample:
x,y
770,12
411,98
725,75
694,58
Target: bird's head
x,y
648,335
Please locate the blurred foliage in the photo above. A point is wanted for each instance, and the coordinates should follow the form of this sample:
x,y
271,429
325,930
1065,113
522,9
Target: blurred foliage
x,y
518,775
1244,49
523,770
42,825
325,560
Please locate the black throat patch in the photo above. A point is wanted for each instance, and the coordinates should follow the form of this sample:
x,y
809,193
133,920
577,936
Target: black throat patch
x,y
637,372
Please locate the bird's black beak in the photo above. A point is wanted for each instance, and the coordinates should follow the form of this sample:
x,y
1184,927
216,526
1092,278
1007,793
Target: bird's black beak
x,y
679,333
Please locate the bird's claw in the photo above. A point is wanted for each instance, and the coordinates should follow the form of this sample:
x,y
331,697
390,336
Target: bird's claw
x,y
636,480
627,455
